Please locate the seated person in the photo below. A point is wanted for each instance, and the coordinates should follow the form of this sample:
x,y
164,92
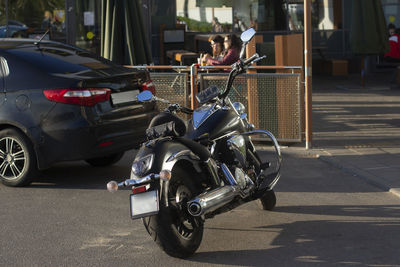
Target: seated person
x,y
217,45
394,54
232,46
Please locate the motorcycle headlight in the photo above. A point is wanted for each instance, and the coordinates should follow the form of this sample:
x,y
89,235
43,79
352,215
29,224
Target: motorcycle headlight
x,y
141,166
239,107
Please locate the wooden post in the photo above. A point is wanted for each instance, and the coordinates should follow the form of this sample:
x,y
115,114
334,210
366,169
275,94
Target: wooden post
x,y
193,86
252,92
308,71
288,52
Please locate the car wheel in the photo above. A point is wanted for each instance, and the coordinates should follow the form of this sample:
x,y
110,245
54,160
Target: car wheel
x,y
17,158
105,161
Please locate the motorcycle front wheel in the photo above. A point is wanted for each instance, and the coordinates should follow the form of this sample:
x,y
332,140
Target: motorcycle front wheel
x,y
173,228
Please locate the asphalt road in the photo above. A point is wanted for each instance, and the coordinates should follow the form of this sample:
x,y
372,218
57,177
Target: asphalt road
x,y
324,217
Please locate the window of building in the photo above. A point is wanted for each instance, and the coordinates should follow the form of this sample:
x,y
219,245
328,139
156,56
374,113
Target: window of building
x,y
32,18
263,15
391,9
88,25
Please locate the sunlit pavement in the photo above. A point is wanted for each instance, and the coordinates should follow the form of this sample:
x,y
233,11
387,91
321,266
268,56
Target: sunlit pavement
x,y
327,213
358,129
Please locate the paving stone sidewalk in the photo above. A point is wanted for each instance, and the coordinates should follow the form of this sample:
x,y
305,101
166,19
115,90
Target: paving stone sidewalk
x,y
357,129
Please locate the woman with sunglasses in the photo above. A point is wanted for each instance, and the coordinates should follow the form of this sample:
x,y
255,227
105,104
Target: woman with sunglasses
x,y
232,45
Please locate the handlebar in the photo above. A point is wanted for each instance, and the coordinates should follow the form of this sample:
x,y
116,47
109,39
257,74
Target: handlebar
x,y
250,59
238,68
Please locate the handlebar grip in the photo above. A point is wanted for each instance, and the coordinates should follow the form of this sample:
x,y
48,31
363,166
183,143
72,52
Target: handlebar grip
x,y
186,110
250,59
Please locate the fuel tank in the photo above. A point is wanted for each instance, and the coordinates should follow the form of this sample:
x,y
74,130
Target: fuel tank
x,y
211,122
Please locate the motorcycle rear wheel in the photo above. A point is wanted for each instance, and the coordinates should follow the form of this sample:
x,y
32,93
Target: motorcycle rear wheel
x,y
173,228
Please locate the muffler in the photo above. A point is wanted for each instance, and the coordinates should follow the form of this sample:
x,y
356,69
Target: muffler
x,y
212,200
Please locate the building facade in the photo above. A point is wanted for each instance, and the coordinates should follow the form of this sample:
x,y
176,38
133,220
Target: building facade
x,y
78,22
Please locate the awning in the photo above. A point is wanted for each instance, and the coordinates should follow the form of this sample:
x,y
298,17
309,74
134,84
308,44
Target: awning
x,y
369,34
123,38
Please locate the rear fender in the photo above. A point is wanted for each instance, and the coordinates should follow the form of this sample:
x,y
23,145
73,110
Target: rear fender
x,y
166,155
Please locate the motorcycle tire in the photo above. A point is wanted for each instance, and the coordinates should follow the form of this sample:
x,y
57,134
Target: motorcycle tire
x,y
173,228
268,200
17,158
105,161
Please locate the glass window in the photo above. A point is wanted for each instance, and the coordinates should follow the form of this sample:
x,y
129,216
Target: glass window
x,y
31,19
198,15
263,15
88,25
238,15
391,9
321,18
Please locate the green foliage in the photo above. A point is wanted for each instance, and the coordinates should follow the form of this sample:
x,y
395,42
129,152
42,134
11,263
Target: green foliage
x,y
201,26
195,25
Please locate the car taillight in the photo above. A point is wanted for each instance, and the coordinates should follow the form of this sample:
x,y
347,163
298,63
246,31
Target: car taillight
x,y
149,86
83,97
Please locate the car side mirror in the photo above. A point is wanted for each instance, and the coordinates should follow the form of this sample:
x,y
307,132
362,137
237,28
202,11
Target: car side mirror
x,y
145,96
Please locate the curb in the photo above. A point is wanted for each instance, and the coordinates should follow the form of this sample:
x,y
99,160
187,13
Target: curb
x,y
367,177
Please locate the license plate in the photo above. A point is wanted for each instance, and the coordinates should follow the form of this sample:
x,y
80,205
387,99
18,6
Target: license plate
x,y
124,97
144,204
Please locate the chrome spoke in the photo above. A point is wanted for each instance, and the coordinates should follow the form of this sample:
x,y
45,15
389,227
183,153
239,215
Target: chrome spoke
x,y
18,156
9,145
2,154
3,168
15,170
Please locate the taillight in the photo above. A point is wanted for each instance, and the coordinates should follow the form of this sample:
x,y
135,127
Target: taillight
x,y
83,97
149,86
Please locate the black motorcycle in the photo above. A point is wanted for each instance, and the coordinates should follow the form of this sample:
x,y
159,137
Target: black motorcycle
x,y
185,174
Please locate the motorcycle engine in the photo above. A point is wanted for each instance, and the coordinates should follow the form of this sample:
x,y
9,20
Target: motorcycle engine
x,y
242,179
237,144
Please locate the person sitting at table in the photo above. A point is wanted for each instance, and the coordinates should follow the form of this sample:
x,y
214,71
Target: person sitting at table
x,y
232,45
394,54
217,46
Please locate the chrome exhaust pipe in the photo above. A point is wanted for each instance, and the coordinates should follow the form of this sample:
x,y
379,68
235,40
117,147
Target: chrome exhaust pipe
x,y
212,200
209,201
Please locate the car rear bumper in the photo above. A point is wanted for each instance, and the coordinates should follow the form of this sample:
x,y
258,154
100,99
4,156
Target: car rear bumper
x,y
79,140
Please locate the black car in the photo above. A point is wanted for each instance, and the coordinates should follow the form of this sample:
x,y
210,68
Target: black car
x,y
13,31
62,103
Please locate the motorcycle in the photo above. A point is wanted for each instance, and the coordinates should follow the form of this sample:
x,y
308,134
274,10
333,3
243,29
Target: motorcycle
x,y
184,175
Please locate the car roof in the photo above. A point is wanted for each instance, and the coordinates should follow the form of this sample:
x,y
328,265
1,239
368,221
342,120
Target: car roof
x,y
15,43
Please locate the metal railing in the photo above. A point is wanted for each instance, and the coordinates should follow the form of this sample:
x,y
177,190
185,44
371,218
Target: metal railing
x,y
272,100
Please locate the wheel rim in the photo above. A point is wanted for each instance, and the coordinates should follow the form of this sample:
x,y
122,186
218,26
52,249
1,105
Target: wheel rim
x,y
12,158
183,222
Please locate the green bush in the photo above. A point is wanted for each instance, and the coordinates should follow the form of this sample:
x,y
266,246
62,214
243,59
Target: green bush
x,y
201,26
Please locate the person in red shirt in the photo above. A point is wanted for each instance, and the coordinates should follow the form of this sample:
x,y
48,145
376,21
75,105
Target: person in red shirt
x,y
394,40
232,45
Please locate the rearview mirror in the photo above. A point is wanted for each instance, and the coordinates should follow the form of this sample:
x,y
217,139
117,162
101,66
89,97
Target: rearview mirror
x,y
247,35
145,96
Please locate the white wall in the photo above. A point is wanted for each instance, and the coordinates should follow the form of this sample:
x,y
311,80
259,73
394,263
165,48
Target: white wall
x,y
224,15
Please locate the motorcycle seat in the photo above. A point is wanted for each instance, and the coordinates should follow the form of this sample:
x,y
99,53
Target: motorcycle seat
x,y
166,117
